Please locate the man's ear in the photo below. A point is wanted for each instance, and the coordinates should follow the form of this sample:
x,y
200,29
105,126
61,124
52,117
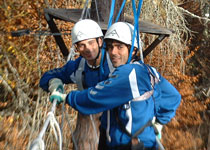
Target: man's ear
x,y
75,48
134,51
100,42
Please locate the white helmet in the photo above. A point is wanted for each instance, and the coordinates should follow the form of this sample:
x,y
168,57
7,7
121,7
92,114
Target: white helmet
x,y
123,32
85,29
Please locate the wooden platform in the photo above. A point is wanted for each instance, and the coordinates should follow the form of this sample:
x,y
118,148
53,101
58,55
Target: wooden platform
x,y
73,15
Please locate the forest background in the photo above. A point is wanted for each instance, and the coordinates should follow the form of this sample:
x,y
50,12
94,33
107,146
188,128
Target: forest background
x,y
182,58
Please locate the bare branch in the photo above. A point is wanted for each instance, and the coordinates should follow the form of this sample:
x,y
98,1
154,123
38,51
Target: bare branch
x,y
192,15
7,86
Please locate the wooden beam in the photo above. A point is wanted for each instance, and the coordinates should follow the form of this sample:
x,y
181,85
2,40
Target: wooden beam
x,y
59,40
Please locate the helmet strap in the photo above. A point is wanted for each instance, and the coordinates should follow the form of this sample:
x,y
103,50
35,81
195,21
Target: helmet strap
x,y
99,51
134,56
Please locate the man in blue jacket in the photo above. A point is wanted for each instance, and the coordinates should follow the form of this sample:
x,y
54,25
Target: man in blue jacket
x,y
130,99
87,38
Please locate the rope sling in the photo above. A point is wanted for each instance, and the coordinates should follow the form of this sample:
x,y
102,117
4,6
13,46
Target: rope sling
x,y
38,143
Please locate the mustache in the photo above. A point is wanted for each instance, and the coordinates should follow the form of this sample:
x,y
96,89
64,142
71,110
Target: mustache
x,y
87,52
114,56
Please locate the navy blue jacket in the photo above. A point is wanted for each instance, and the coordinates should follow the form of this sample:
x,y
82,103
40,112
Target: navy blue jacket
x,y
67,74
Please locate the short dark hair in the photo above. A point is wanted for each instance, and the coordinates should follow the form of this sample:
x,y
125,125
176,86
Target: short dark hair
x,y
110,41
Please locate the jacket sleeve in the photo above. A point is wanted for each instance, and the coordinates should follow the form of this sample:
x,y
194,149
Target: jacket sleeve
x,y
106,95
62,73
167,99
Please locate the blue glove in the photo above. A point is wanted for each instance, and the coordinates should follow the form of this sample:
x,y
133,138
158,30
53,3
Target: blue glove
x,y
57,95
56,84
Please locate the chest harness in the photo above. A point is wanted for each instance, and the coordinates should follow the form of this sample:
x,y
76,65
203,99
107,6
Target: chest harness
x,y
79,74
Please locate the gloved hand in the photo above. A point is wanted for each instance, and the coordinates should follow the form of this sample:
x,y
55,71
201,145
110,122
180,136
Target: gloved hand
x,y
56,84
159,127
57,95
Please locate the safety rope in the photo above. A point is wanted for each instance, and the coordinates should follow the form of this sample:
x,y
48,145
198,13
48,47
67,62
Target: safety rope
x,y
136,29
64,113
104,44
160,145
38,143
120,11
84,11
94,127
97,13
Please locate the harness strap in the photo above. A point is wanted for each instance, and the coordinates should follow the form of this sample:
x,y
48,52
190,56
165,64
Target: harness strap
x,y
79,75
122,126
145,96
111,67
149,123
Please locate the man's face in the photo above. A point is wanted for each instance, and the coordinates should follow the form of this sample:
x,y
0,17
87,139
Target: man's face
x,y
88,48
118,53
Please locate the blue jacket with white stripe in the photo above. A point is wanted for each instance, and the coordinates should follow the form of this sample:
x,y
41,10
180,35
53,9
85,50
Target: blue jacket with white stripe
x,y
129,90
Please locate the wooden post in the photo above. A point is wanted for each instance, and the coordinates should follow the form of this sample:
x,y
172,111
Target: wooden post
x,y
87,129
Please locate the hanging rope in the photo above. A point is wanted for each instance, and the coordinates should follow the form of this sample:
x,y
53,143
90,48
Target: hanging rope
x,y
94,127
64,113
104,44
96,5
136,29
120,11
84,11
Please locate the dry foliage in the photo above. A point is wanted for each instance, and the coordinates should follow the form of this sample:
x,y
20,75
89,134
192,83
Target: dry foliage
x,y
24,107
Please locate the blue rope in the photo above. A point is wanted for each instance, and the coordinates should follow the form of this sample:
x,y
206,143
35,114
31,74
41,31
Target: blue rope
x,y
136,29
136,26
120,11
104,45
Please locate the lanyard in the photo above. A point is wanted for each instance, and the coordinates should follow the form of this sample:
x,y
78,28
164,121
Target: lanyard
x,y
136,26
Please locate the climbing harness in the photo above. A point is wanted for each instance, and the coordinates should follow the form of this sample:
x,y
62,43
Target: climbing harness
x,y
38,143
135,143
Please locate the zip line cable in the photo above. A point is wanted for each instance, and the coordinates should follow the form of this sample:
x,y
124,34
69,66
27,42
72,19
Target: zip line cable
x,y
22,32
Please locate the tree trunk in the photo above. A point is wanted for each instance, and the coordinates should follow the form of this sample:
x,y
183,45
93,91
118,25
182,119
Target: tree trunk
x,y
87,131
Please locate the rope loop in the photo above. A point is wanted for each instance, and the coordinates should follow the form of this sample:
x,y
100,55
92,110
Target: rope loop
x,y
56,128
37,144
